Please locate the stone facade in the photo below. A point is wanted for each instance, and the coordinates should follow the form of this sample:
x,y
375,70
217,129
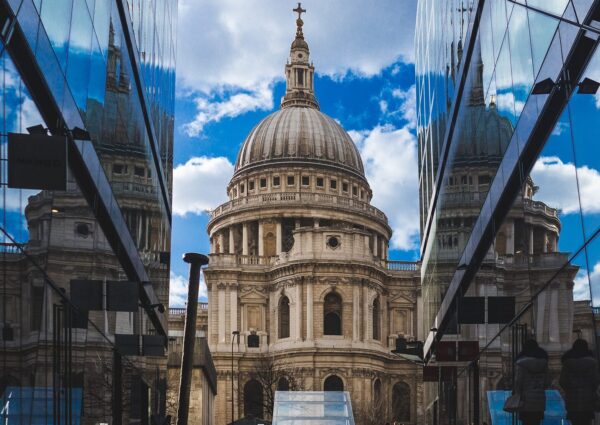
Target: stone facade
x,y
203,383
299,261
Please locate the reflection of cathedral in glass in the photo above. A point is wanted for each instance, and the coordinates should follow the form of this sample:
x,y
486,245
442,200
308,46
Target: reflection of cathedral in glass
x,y
522,258
64,239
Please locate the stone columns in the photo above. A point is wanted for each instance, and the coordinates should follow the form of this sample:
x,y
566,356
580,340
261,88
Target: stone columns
x,y
309,310
539,319
245,239
530,240
231,242
221,243
299,311
553,326
261,247
375,245
233,307
385,323
279,235
510,238
221,312
365,313
355,312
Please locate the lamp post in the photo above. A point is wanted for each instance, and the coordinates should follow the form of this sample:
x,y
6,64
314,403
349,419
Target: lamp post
x,y
233,335
196,261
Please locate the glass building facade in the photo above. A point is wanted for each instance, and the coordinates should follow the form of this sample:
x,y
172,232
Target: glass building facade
x,y
101,74
509,176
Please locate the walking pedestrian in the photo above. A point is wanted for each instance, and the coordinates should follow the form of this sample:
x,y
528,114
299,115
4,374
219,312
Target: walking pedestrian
x,y
579,380
531,380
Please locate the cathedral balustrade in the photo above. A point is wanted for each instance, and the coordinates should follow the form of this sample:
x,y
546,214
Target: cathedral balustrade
x,y
133,189
462,199
544,260
540,207
11,248
402,265
302,198
180,311
234,260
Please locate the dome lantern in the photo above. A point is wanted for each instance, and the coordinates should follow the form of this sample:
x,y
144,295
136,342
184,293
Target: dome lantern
x,y
299,72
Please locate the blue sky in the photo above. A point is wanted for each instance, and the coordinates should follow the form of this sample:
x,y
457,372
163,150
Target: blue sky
x,y
231,58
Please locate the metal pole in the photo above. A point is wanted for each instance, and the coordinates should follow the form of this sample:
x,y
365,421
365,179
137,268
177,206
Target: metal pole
x,y
189,337
233,335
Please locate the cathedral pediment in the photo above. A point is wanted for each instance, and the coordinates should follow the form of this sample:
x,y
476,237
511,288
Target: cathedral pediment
x,y
401,299
253,294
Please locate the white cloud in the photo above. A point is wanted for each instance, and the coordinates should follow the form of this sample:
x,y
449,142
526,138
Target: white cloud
x,y
178,290
199,184
235,48
408,108
232,43
16,199
559,128
390,158
237,104
581,288
558,185
506,102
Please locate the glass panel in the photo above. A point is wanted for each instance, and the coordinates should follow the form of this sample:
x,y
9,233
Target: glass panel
x,y
584,113
56,18
78,68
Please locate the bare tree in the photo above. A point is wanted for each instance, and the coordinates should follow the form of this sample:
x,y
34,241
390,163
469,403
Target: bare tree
x,y
372,414
273,374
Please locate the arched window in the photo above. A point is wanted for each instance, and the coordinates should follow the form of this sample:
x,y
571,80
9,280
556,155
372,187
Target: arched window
x,y
284,317
333,383
377,390
401,402
376,321
283,384
253,399
332,314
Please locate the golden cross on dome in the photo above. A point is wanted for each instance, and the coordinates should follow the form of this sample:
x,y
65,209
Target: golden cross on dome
x,y
299,10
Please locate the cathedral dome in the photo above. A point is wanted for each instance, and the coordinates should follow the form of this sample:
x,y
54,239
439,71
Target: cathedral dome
x,y
299,134
296,135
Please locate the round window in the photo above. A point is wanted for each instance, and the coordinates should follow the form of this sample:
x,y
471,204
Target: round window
x,y
333,242
300,55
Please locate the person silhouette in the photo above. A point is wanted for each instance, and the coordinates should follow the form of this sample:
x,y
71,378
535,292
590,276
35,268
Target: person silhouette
x,y
531,380
579,379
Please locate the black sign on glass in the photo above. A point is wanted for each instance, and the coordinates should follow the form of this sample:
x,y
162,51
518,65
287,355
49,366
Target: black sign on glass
x,y
445,351
467,350
471,310
128,345
153,345
86,295
37,161
501,309
120,296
